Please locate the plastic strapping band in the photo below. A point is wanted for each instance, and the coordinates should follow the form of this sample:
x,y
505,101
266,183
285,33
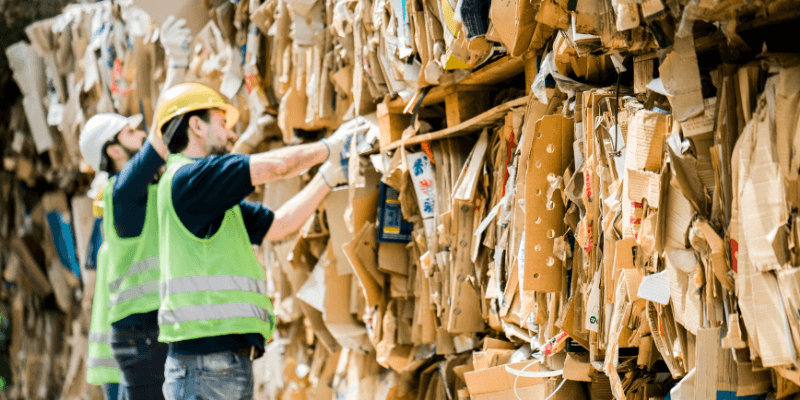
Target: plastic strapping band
x,y
535,374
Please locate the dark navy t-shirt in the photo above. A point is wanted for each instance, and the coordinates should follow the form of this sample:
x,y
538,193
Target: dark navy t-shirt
x,y
201,193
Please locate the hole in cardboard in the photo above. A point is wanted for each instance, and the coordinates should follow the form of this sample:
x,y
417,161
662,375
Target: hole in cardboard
x,y
550,261
551,233
537,247
551,205
538,192
551,148
535,276
538,164
539,220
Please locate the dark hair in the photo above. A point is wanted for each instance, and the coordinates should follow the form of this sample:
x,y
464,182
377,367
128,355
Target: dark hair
x,y
106,164
180,139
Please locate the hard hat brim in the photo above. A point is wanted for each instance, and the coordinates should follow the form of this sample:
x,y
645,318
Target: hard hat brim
x,y
231,115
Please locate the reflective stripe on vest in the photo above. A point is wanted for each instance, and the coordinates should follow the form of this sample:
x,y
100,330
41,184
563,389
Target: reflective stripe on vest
x,y
148,264
208,312
105,362
215,283
99,337
135,292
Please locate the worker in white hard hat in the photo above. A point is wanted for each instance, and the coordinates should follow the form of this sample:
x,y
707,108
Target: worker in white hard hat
x,y
128,262
124,326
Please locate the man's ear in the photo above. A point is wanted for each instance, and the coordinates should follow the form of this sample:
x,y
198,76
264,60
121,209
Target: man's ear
x,y
115,152
196,126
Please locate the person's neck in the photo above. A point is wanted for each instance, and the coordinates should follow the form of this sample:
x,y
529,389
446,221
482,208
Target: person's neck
x,y
194,150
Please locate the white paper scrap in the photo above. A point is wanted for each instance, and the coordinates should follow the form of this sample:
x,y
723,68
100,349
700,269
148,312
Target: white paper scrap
x,y
592,321
655,288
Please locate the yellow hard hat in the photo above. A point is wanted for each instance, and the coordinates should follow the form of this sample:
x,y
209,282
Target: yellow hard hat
x,y
187,97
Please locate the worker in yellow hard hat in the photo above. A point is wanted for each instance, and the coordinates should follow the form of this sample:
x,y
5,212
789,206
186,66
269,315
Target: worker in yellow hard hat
x,y
215,313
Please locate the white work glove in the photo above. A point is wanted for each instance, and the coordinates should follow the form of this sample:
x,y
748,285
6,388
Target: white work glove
x,y
333,174
176,39
337,141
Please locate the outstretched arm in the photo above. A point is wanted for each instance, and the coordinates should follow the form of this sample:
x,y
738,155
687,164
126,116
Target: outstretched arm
x,y
175,38
291,216
286,162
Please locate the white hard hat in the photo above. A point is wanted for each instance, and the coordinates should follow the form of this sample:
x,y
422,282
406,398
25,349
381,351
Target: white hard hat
x,y
99,130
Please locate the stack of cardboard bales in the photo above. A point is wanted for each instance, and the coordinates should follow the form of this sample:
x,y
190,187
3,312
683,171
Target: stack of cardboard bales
x,y
577,199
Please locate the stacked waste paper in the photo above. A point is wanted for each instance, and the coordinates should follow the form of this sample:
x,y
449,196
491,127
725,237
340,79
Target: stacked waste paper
x,y
586,199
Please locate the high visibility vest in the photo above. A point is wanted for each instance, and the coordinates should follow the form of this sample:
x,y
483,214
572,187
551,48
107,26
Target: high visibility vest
x,y
133,262
101,367
209,287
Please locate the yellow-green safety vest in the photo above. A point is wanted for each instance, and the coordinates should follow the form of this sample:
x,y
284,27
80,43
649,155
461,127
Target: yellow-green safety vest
x,y
101,367
211,286
133,262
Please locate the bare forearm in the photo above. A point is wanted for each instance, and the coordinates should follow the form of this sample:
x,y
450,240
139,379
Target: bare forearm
x,y
291,216
285,162
175,74
156,142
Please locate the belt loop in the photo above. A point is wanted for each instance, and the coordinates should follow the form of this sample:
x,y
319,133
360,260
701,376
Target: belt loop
x,y
252,352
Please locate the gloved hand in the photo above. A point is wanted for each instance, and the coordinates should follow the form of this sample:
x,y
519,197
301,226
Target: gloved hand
x,y
176,38
333,174
337,142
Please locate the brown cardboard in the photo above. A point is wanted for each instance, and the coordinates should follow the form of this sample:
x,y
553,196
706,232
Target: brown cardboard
x,y
751,382
347,331
393,258
196,17
784,387
335,205
465,311
372,291
577,368
320,331
789,285
681,77
517,35
496,383
550,154
367,250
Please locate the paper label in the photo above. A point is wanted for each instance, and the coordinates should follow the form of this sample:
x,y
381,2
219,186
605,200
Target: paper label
x,y
592,322
422,176
55,114
655,288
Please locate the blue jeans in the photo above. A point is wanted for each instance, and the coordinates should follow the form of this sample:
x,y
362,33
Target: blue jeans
x,y
111,391
141,359
225,375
